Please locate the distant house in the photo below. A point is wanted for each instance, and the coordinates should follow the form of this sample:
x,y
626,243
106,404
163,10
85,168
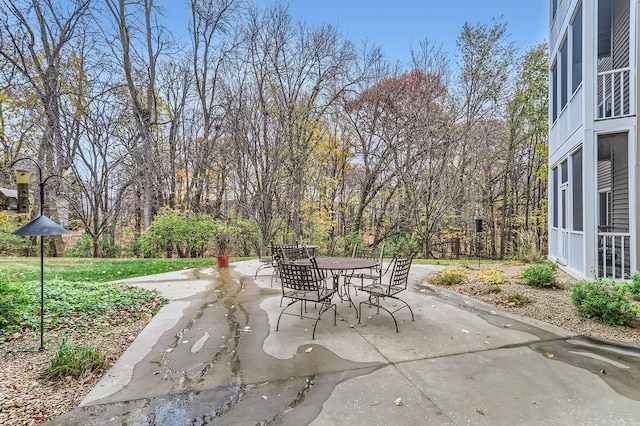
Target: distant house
x,y
593,156
8,199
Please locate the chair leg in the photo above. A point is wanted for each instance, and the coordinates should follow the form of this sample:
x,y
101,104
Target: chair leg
x,y
405,304
285,308
260,268
326,305
370,302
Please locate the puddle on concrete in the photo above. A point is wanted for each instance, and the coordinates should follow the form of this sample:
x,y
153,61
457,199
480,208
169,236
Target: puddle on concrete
x,y
494,319
230,379
605,359
617,364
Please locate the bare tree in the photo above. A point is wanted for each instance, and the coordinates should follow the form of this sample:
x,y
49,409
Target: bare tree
x,y
296,74
37,40
138,58
213,39
99,178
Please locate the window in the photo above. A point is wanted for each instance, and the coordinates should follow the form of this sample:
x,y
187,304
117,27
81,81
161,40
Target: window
x,y
604,210
554,8
552,196
576,50
554,92
563,75
564,168
576,181
563,203
604,28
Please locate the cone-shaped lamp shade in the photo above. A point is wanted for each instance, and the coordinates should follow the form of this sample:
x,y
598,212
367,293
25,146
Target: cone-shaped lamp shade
x,y
40,226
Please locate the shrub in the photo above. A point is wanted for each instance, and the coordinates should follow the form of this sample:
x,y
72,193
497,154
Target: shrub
x,y
11,245
14,304
450,276
83,247
540,275
605,301
173,232
402,245
491,289
76,361
517,298
528,244
492,276
634,286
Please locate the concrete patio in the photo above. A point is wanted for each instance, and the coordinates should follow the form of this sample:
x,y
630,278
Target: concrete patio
x,y
212,356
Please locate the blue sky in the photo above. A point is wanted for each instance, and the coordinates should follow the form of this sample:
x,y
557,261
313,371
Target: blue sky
x,y
398,25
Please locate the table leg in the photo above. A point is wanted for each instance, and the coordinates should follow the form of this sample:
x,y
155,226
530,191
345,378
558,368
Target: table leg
x,y
343,290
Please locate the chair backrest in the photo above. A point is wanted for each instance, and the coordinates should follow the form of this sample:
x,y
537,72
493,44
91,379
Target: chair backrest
x,y
300,277
294,253
372,253
400,274
276,251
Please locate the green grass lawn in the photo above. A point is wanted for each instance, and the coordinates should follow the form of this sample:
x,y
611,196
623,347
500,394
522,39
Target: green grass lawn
x,y
77,291
22,269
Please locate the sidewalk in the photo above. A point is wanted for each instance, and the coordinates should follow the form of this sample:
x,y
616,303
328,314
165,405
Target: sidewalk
x,y
212,356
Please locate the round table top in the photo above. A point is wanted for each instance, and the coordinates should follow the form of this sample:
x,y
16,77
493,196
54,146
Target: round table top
x,y
341,263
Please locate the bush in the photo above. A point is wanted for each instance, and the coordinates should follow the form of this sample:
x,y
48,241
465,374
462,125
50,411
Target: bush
x,y
492,276
528,246
75,361
14,305
12,245
83,247
605,301
540,275
402,245
491,289
450,276
634,286
173,232
517,299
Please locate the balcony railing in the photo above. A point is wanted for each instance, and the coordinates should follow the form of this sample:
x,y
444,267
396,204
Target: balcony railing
x,y
614,255
614,93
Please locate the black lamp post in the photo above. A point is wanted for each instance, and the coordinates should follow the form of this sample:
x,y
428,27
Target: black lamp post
x,y
41,226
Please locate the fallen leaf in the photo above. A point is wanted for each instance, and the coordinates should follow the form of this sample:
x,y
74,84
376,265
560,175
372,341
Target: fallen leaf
x,y
479,411
549,354
398,402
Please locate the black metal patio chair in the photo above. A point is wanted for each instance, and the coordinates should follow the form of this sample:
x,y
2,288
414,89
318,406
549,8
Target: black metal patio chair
x,y
304,282
265,257
277,255
380,290
374,274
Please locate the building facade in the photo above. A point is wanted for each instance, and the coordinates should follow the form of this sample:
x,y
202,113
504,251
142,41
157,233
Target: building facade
x,y
593,155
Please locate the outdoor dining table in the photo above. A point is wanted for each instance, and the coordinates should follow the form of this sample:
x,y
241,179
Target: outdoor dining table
x,y
339,266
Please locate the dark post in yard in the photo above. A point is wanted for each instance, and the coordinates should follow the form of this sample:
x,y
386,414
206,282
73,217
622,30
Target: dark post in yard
x,y
41,226
478,219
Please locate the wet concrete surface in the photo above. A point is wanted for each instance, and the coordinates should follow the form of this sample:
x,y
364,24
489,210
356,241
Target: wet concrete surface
x,y
212,356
